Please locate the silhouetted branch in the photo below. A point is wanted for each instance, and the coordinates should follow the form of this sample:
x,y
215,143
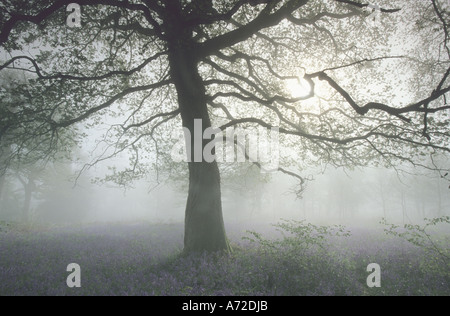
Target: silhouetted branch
x,y
111,101
340,141
40,75
398,112
264,20
151,119
16,18
366,5
205,19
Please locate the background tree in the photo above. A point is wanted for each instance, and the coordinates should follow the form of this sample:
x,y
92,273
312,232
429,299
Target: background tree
x,y
142,65
58,199
24,160
2,184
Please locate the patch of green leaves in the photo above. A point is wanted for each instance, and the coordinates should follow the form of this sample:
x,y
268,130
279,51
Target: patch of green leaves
x,y
298,236
428,237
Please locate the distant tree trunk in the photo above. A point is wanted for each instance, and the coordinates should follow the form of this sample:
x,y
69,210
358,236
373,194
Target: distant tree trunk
x,y
424,212
403,207
29,189
204,225
4,152
2,186
383,201
28,186
305,211
384,207
439,199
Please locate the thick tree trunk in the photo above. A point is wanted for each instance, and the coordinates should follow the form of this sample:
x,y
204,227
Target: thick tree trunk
x,y
204,225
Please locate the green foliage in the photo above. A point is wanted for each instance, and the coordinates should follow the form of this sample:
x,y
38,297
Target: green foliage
x,y
298,236
300,257
105,71
429,237
4,227
302,246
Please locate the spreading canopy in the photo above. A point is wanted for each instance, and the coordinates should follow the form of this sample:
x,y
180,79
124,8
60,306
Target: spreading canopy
x,y
361,98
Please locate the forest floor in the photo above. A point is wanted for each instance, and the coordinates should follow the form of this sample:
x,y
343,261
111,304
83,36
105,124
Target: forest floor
x,y
144,259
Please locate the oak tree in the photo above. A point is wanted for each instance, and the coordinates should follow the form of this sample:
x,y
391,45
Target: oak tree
x,y
325,72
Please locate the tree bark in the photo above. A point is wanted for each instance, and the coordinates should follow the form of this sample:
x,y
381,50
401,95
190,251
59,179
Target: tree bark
x,y
204,225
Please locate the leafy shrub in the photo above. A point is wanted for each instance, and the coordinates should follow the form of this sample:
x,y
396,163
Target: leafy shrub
x,y
300,260
428,237
298,237
4,227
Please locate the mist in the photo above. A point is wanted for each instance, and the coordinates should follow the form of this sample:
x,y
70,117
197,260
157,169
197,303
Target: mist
x,y
219,148
335,196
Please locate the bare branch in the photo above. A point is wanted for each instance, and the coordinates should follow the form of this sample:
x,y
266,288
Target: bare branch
x,y
122,149
7,28
264,20
318,17
362,61
366,5
398,112
111,101
444,23
345,141
195,20
38,71
151,119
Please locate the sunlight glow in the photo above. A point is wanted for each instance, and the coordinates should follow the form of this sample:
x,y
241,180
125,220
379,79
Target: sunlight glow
x,y
298,88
